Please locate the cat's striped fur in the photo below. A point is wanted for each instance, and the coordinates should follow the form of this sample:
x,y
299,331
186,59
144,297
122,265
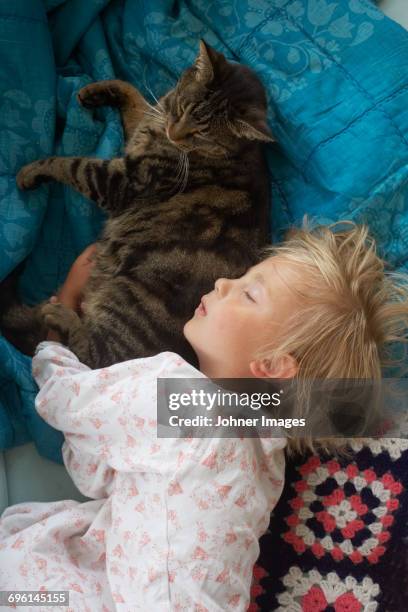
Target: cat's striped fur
x,y
187,203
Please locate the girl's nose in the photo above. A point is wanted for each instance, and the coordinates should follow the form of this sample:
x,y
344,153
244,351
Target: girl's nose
x,y
222,286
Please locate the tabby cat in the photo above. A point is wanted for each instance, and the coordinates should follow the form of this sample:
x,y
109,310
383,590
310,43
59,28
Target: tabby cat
x,y
187,203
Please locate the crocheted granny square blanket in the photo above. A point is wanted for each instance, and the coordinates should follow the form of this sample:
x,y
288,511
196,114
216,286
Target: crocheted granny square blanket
x,y
338,538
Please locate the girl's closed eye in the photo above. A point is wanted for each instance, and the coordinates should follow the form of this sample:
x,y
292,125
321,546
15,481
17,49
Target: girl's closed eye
x,y
254,292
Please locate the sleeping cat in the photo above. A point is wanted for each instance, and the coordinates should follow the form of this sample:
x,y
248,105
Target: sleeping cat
x,y
187,203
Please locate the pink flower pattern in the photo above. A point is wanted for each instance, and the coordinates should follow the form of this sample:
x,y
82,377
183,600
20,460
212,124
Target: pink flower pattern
x,y
171,524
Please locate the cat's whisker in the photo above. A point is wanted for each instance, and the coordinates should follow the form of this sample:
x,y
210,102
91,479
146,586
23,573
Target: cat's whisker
x,y
160,110
159,106
159,124
154,112
182,172
154,97
186,166
183,169
154,109
179,168
153,118
156,118
178,172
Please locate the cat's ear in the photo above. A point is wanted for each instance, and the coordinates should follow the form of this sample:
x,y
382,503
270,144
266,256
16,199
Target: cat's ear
x,y
255,128
208,63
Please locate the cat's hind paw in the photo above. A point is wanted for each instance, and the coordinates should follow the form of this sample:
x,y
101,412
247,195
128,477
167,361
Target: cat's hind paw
x,y
58,317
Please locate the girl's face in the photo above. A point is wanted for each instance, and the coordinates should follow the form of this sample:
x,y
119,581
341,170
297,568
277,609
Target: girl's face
x,y
241,316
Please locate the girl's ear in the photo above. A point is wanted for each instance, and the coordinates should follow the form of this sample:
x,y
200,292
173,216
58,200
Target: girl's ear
x,y
285,366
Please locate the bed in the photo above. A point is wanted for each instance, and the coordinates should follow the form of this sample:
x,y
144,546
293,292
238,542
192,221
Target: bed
x,y
336,78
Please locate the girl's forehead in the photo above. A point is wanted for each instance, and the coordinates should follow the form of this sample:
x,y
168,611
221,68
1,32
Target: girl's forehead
x,y
281,277
276,266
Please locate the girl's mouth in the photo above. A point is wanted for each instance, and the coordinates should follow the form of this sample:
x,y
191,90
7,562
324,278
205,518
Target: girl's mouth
x,y
201,310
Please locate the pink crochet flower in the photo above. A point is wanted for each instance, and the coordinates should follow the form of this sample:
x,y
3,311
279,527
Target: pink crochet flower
x,y
314,600
347,603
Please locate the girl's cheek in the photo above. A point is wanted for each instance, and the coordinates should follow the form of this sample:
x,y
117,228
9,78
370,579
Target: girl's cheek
x,y
219,322
226,325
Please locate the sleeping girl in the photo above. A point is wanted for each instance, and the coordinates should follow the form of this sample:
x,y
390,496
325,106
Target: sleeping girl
x,y
174,523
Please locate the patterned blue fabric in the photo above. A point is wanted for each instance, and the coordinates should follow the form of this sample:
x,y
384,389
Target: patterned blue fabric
x,y
335,73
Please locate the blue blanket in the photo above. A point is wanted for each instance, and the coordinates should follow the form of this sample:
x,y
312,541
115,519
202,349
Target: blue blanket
x,y
335,73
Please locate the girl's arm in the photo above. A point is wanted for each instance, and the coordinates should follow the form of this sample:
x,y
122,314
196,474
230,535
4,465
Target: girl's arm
x,y
108,416
71,291
58,373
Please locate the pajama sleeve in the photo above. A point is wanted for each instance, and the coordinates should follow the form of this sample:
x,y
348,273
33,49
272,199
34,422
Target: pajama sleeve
x,y
90,407
58,373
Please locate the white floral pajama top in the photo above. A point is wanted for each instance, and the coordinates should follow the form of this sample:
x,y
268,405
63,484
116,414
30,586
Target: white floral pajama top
x,y
173,524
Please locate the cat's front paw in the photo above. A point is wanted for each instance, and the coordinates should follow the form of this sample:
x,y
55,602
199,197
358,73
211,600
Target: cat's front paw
x,y
106,93
58,317
30,177
96,94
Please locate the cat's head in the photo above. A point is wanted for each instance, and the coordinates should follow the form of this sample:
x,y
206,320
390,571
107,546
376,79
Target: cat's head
x,y
216,106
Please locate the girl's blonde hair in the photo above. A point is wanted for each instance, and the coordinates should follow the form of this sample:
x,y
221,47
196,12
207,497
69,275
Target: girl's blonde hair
x,y
352,310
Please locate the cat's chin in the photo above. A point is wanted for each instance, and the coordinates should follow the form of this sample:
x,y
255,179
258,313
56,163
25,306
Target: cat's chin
x,y
216,154
182,148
